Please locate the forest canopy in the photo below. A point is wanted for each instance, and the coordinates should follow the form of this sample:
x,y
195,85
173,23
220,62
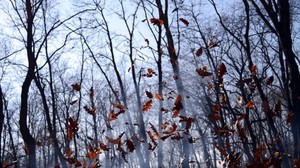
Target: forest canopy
x,y
149,83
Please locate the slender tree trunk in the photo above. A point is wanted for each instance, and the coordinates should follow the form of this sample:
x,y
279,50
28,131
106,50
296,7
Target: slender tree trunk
x,y
27,137
1,123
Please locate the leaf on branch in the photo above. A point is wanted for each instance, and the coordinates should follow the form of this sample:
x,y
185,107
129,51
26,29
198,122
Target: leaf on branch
x,y
184,21
147,106
199,52
149,94
270,80
76,87
203,72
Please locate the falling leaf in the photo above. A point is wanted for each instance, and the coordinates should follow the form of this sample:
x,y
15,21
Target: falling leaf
x,y
203,72
212,44
250,105
158,96
103,146
147,106
156,134
147,41
73,102
171,129
76,87
157,22
221,70
149,94
149,73
277,109
188,121
119,106
270,80
116,141
214,117
253,69
289,118
68,153
184,21
96,164
174,10
130,145
199,52
216,108
91,111
7,165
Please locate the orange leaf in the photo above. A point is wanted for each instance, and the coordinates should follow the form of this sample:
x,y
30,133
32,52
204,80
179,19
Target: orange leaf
x,y
203,72
116,141
156,134
103,146
147,106
76,87
91,155
157,22
199,52
158,96
119,106
250,104
270,80
68,153
171,130
112,115
184,21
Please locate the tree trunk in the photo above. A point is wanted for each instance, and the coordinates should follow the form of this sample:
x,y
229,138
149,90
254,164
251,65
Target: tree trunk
x,y
27,137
